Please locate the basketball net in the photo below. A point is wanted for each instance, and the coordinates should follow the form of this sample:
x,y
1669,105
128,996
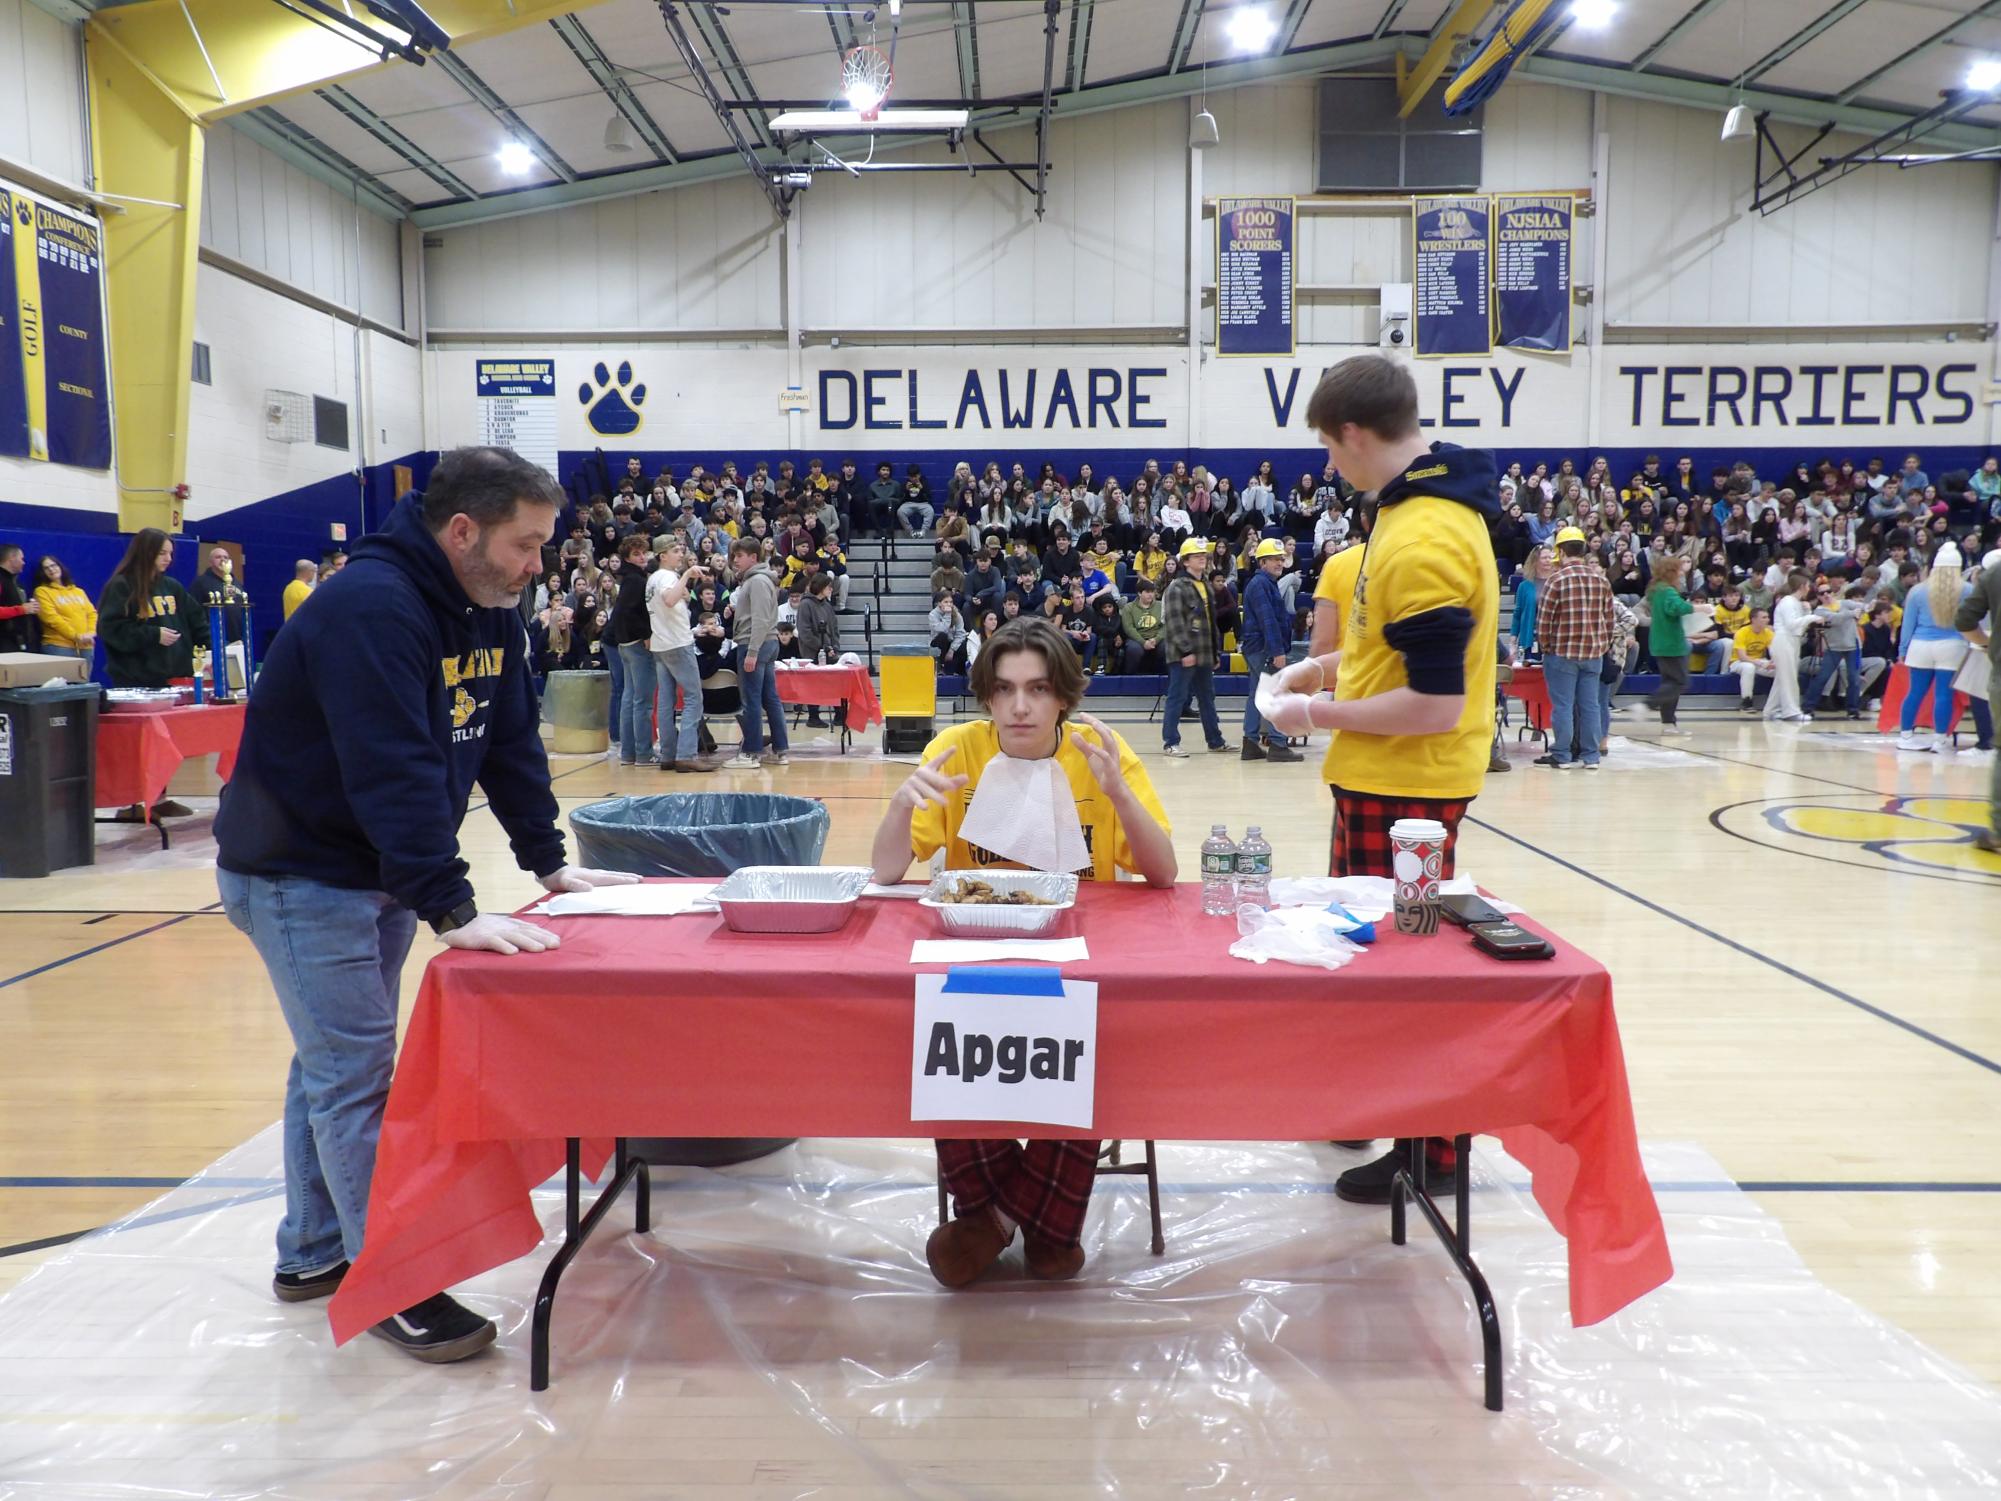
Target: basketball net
x,y
865,80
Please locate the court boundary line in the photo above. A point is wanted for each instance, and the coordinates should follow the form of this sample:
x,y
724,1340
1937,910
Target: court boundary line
x,y
1750,953
42,969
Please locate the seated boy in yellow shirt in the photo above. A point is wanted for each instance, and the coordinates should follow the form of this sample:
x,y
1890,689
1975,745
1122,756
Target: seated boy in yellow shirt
x,y
1030,682
1752,658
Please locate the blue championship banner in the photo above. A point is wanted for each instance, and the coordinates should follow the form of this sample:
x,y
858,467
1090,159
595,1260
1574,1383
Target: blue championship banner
x,y
1254,261
1451,277
58,296
13,387
1532,271
517,378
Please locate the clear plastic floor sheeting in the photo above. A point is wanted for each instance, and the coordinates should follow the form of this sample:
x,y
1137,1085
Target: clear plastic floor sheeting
x,y
778,1336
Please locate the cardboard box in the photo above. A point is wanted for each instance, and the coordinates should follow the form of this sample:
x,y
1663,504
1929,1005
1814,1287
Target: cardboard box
x,y
28,669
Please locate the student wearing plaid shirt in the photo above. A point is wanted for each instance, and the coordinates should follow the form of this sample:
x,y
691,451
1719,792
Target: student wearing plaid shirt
x,y
1575,623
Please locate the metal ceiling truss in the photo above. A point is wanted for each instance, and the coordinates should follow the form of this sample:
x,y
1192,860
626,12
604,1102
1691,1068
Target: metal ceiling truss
x,y
1689,19
1887,149
503,112
966,42
1288,26
366,119
1082,12
607,77
1185,28
1389,17
411,49
1937,39
1826,21
670,15
1050,10
710,24
269,128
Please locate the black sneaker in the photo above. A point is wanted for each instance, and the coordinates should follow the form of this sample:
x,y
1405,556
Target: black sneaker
x,y
1253,751
438,1330
1282,752
168,808
1361,1145
1370,1183
1546,761
303,1287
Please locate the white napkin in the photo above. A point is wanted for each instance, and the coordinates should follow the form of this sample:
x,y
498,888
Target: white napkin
x,y
1023,811
966,950
644,900
1370,898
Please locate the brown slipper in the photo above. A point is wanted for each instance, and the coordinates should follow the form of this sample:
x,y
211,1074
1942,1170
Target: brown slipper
x,y
959,1251
1048,1262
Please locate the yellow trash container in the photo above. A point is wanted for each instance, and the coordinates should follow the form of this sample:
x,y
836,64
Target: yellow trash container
x,y
909,689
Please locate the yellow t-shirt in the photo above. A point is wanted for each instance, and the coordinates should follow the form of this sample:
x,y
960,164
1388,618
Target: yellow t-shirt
x,y
1753,643
1426,553
295,595
1729,622
1337,587
933,828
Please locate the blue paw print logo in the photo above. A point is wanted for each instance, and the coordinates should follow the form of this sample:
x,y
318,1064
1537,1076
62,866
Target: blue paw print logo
x,y
614,409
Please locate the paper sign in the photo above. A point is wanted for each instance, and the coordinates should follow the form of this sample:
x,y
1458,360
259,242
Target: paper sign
x,y
1004,1045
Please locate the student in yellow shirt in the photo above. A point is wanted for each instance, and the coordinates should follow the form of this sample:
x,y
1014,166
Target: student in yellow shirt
x,y
305,575
1751,658
1029,681
69,619
1413,683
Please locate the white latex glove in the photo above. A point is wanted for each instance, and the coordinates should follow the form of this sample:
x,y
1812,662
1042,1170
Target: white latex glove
x,y
1288,714
582,878
1305,677
500,934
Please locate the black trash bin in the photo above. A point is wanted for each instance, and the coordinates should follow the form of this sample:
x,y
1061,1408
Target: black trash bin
x,y
48,778
700,834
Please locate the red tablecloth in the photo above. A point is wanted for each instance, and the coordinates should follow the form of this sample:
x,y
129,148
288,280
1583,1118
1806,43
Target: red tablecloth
x,y
1889,712
848,685
679,1027
138,754
1528,686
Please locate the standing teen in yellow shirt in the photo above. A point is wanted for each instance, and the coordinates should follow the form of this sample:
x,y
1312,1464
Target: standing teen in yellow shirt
x,y
1413,682
1030,683
69,619
305,574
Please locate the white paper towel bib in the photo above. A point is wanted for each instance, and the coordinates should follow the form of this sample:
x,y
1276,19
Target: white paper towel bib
x,y
1023,811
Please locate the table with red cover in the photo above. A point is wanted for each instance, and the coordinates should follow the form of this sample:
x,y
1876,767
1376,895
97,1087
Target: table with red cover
x,y
138,753
677,1026
847,684
1529,686
1890,710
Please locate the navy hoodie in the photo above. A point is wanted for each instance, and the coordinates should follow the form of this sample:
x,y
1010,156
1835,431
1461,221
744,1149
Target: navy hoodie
x,y
381,703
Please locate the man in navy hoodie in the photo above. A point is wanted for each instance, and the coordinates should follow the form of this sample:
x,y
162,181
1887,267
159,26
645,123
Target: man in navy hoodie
x,y
370,721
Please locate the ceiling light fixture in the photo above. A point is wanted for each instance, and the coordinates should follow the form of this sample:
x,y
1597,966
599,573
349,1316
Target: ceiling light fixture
x,y
1593,15
1251,28
821,121
515,159
618,134
1985,75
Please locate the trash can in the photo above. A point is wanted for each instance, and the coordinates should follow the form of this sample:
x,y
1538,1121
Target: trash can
x,y
700,834
579,706
48,779
909,697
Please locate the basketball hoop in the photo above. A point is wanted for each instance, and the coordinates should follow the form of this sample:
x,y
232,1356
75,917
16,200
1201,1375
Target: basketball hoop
x,y
865,79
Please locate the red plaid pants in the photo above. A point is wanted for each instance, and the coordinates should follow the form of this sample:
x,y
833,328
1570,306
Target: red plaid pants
x,y
1045,1188
1362,829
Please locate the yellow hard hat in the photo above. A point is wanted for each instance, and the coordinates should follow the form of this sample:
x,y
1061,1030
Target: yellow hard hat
x,y
1271,547
1569,534
1193,546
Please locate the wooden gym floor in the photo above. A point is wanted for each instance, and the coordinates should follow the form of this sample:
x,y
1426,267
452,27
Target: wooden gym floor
x,y
1805,945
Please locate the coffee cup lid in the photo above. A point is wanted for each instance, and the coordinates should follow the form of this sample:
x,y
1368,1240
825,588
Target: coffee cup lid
x,y
1417,828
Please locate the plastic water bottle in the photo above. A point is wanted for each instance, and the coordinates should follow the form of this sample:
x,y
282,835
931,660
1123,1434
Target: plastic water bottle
x,y
1219,873
1254,870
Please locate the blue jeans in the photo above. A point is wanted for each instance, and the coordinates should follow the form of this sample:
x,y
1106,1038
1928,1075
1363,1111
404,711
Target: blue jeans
x,y
1576,706
760,701
676,669
1830,663
1255,664
616,667
1184,683
635,709
335,958
1716,653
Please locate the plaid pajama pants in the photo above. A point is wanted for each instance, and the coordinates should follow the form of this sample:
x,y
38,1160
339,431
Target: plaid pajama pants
x,y
1045,1187
1362,822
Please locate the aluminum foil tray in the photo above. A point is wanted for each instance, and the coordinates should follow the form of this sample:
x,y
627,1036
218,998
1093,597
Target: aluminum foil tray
x,y
790,898
1059,890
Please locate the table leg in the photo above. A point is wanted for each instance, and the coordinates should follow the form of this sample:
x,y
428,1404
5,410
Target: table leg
x,y
155,824
576,1230
1458,1245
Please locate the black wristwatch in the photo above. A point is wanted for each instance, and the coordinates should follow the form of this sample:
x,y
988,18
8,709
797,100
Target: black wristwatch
x,y
458,917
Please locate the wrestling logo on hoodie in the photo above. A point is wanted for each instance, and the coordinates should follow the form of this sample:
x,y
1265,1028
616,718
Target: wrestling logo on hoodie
x,y
474,668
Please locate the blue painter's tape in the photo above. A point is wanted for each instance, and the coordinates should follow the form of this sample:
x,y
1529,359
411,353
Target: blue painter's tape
x,y
1003,980
1365,932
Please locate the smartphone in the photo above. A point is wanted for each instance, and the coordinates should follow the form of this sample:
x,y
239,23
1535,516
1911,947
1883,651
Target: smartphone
x,y
1465,909
1506,940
